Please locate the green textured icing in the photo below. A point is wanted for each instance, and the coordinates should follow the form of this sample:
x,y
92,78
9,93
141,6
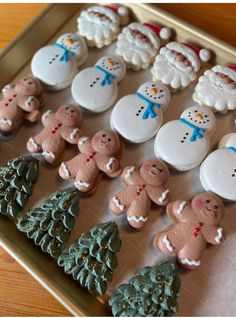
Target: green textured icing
x,y
153,291
92,259
16,183
50,224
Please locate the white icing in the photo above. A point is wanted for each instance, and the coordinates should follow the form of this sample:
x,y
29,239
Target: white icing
x,y
129,172
167,243
46,114
82,183
118,204
163,196
29,100
6,88
6,121
83,140
74,132
137,219
66,170
33,142
48,154
181,207
219,235
190,262
109,164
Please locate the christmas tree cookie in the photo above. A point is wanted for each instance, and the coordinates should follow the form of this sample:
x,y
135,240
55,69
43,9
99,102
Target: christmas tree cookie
x,y
50,224
92,259
16,182
152,292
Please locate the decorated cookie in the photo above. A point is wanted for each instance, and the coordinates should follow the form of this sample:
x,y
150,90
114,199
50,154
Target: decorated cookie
x,y
218,170
98,154
195,224
177,64
217,88
92,259
142,186
16,184
152,292
96,88
139,43
184,143
60,127
21,102
100,25
138,117
57,64
51,223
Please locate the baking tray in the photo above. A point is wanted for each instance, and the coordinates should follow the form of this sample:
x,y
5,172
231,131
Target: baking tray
x,y
209,291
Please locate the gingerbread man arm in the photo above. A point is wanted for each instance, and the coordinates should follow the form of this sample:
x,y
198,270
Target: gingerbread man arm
x,y
85,145
158,195
7,90
109,165
214,235
130,176
29,104
179,210
71,134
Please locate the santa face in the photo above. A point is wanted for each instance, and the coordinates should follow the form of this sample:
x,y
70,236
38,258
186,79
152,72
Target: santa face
x,y
208,208
200,117
113,65
69,115
154,172
106,142
72,42
217,89
173,68
28,86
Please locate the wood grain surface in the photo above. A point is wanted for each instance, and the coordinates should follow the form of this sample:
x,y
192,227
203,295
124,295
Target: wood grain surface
x,y
20,294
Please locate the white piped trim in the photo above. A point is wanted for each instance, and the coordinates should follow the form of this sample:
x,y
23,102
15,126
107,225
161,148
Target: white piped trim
x,y
129,172
33,142
137,219
48,154
219,235
29,100
6,121
204,55
165,33
66,170
46,114
6,88
167,243
118,204
181,207
190,262
163,196
82,183
109,164
73,134
83,140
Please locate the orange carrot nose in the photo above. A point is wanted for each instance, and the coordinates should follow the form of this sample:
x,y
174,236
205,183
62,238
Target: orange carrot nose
x,y
69,41
110,62
153,90
199,116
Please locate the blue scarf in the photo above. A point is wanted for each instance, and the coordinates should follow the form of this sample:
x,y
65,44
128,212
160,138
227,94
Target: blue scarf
x,y
232,149
148,111
197,132
66,52
107,78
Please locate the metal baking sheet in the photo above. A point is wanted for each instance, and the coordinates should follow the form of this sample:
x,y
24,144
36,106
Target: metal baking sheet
x,y
209,291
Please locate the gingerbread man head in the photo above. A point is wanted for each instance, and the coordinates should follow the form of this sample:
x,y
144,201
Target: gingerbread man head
x,y
106,142
69,115
29,86
154,172
208,208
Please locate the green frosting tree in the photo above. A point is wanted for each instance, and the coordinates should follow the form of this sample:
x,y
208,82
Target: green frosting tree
x,y
153,291
92,259
50,224
16,183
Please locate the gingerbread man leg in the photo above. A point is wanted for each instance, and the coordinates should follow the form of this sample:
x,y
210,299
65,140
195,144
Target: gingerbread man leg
x,y
164,243
86,178
121,202
137,213
189,256
51,150
68,170
34,144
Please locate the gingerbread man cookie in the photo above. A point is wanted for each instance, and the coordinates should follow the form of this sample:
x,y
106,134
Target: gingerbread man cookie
x,y
195,224
142,186
99,154
99,25
21,101
60,127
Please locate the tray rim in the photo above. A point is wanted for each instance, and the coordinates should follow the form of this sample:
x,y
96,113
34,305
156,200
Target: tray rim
x,y
5,241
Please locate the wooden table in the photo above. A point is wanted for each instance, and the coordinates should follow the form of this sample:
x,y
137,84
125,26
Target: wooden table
x,y
20,294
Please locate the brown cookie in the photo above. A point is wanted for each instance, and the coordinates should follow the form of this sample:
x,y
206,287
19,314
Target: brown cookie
x,y
97,155
195,224
142,186
60,127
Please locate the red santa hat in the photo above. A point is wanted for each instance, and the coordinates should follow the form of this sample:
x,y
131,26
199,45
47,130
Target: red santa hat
x,y
232,67
121,11
203,54
163,32
229,70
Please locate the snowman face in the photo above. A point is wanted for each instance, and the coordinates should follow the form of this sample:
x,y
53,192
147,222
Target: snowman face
x,y
69,115
113,65
28,86
154,172
155,92
71,42
201,117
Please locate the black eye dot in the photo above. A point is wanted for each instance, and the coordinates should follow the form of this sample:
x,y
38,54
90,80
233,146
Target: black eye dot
x,y
189,112
142,107
91,85
109,139
150,95
97,78
208,201
187,134
195,111
153,85
50,62
206,116
161,90
234,170
195,121
103,135
208,120
216,207
94,82
137,114
160,170
72,111
139,111
233,175
67,107
182,141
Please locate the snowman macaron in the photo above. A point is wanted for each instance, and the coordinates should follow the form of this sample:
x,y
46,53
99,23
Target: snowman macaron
x,y
96,88
218,170
184,143
56,65
138,117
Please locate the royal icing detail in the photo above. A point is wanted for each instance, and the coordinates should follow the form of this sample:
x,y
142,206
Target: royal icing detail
x,y
181,207
82,183
137,219
107,76
46,114
48,154
197,132
83,140
33,142
109,164
163,196
74,133
6,88
65,53
233,149
129,172
66,170
6,121
167,243
220,235
150,105
187,261
29,101
118,204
